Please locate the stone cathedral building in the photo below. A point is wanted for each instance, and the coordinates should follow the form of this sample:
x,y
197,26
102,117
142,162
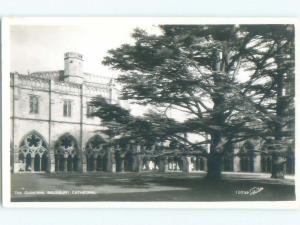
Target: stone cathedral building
x,y
53,132
49,117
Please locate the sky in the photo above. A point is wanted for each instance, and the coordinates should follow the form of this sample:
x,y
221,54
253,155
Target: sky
x,y
41,48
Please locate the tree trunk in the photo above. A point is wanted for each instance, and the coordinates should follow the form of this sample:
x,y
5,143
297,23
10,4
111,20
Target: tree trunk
x,y
277,157
214,161
277,166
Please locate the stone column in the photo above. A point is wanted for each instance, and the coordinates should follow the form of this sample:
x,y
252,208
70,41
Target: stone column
x,y
94,164
134,162
189,160
236,159
139,163
177,166
162,165
81,161
65,164
40,164
113,161
205,164
147,165
236,163
15,168
52,162
166,165
109,162
185,165
257,163
122,165
56,164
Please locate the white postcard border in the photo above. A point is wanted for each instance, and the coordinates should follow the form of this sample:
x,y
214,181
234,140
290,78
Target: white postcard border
x,y
6,126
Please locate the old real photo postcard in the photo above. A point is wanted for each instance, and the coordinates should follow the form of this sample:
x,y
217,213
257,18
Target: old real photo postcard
x,y
149,112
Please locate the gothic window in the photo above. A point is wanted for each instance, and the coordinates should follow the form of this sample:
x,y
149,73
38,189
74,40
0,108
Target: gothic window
x,y
247,157
95,143
33,104
67,108
228,162
266,163
66,150
66,145
95,154
228,158
33,153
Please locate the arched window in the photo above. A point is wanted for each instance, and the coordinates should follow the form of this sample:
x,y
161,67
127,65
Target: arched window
x,y
33,104
37,162
266,163
34,153
228,158
247,157
95,154
128,161
228,162
66,149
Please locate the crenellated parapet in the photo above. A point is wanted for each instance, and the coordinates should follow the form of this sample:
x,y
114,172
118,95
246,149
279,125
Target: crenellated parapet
x,y
49,75
51,82
96,89
66,88
30,82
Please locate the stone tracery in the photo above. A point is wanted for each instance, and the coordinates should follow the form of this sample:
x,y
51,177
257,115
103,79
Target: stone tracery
x,y
33,153
66,154
96,154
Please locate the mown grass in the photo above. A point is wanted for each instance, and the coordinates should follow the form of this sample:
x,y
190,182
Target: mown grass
x,y
149,187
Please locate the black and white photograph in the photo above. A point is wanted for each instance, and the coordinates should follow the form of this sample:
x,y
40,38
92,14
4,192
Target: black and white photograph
x,y
149,111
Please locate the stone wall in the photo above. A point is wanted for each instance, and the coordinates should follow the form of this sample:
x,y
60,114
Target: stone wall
x,y
49,122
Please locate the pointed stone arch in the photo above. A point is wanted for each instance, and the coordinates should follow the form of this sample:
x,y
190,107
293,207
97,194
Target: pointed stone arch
x,y
96,154
66,153
247,156
34,153
228,158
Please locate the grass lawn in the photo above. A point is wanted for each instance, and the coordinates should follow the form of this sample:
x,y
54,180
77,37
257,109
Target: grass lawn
x,y
149,187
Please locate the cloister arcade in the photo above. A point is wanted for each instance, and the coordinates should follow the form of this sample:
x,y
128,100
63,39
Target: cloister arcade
x,y
97,156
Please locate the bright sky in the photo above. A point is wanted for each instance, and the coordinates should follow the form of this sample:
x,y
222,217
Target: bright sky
x,y
40,48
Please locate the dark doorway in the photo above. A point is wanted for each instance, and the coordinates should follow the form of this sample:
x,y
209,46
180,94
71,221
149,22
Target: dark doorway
x,y
37,162
70,163
61,163
44,162
99,166
28,163
75,163
128,162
